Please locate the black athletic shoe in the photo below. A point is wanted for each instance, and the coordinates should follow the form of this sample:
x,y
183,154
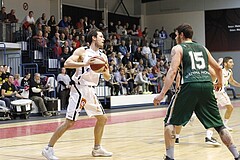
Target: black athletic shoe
x,y
177,141
167,158
212,141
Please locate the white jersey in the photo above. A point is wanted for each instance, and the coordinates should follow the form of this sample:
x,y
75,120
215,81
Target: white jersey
x,y
85,75
226,74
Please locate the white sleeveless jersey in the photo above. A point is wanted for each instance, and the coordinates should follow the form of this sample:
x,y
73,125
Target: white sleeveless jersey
x,y
226,74
85,75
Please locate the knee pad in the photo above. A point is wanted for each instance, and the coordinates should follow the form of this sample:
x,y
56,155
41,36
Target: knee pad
x,y
220,128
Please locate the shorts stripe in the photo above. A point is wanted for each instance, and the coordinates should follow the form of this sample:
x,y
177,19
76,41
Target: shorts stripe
x,y
79,99
171,105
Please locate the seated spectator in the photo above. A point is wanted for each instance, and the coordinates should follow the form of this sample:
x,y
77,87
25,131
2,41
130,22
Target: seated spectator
x,y
63,23
35,94
42,20
39,39
16,81
141,81
126,59
230,88
122,80
80,25
64,56
63,87
52,24
29,21
153,87
11,17
123,48
25,83
152,59
2,76
112,83
130,75
9,92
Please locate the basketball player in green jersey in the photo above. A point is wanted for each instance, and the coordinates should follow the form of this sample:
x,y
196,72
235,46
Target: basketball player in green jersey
x,y
195,93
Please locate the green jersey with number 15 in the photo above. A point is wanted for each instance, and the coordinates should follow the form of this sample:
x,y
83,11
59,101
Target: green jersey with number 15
x,y
194,66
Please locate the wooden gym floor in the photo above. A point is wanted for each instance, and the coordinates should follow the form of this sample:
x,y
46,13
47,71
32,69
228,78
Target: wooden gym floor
x,y
130,135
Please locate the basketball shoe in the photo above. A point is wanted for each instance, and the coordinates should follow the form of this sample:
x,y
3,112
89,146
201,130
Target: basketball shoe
x,y
177,141
49,153
101,152
167,158
212,141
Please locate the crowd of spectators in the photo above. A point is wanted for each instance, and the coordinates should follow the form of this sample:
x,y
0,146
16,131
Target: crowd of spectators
x,y
137,64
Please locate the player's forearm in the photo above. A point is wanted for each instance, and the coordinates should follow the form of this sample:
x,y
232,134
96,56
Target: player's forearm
x,y
73,64
106,76
234,83
168,81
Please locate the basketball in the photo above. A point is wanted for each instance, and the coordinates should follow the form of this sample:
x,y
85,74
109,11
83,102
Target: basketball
x,y
98,64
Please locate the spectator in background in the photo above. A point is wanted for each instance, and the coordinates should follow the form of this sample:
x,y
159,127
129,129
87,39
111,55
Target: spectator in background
x,y
11,17
112,83
80,25
86,25
35,94
122,48
29,21
93,25
9,92
16,81
52,23
82,40
63,87
152,60
145,33
2,75
141,81
76,40
64,56
3,15
131,48
146,49
25,83
42,20
126,59
69,21
122,80
39,40
111,28
163,34
140,66
63,23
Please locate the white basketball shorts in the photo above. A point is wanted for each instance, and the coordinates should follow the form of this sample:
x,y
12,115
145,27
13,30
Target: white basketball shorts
x,y
222,98
83,96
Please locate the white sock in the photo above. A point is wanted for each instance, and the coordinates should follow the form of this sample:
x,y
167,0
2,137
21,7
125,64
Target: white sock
x,y
177,135
209,133
226,121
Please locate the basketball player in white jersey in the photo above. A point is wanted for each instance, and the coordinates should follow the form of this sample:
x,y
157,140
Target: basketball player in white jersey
x,y
83,94
222,97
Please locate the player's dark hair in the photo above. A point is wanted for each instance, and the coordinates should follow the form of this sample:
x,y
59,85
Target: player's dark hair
x,y
92,33
186,29
226,59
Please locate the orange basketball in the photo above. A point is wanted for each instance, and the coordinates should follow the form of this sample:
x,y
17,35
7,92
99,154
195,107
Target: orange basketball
x,y
98,64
